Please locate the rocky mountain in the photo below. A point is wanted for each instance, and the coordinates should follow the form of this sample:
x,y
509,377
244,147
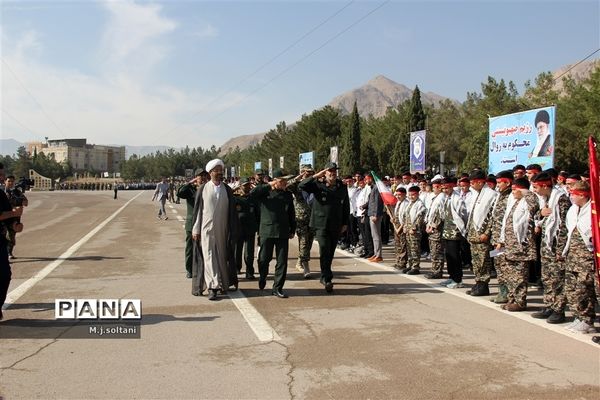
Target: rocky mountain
x,y
243,142
578,72
9,147
374,97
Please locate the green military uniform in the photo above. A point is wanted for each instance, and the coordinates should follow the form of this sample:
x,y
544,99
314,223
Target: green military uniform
x,y
330,211
500,261
413,229
277,225
246,209
188,192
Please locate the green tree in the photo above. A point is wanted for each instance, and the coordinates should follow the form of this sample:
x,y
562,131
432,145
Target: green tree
x,y
350,150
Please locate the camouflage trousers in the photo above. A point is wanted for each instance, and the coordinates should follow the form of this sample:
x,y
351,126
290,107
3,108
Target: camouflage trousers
x,y
579,288
516,275
436,250
553,278
413,241
306,235
481,261
501,265
400,246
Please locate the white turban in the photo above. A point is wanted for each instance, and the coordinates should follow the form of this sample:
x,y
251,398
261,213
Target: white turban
x,y
213,163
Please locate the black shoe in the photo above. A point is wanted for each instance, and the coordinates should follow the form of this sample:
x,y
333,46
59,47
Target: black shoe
x,y
250,277
188,275
212,295
413,271
543,313
596,339
433,276
405,270
233,288
279,294
556,318
368,255
329,287
480,289
262,283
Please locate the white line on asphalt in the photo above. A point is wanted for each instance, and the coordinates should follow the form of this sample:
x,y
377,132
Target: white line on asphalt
x,y
170,206
484,301
179,218
175,211
28,284
263,331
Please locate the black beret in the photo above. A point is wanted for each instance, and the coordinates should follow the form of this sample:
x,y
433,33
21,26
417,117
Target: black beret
x,y
506,174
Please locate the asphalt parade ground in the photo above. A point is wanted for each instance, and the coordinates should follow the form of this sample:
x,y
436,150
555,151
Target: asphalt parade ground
x,y
380,335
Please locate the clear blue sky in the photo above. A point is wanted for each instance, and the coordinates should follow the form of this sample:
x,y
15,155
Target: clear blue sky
x,y
182,72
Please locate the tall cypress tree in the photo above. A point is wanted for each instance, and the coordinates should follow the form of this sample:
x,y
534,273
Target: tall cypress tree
x,y
350,151
417,115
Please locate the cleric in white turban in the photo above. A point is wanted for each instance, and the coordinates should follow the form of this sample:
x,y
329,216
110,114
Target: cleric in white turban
x,y
213,163
215,228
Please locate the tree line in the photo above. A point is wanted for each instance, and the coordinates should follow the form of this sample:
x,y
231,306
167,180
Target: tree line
x,y
366,143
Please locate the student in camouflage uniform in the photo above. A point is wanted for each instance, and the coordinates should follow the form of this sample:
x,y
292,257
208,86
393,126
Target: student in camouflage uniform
x,y
400,245
517,238
413,222
554,236
434,226
479,231
249,220
504,181
302,206
453,233
578,254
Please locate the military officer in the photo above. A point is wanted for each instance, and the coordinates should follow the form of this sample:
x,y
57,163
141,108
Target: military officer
x,y
277,227
187,191
329,216
249,219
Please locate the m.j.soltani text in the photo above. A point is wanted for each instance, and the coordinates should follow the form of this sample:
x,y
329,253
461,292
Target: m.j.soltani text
x,y
113,330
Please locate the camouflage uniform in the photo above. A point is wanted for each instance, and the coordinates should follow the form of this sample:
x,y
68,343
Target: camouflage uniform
x,y
480,251
305,233
519,254
413,236
553,271
500,261
580,280
400,243
436,250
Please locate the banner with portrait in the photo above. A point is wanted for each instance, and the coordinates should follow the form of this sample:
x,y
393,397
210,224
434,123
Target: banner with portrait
x,y
417,152
522,138
306,158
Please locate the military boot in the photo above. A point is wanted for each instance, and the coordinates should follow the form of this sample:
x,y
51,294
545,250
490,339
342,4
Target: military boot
x,y
501,297
305,269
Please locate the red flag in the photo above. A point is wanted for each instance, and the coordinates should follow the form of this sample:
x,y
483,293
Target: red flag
x,y
595,192
386,194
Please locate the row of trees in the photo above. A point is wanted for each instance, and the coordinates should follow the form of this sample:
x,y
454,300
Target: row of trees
x,y
382,144
459,130
22,162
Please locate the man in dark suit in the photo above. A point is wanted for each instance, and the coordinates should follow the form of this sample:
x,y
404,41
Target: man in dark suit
x,y
329,216
277,227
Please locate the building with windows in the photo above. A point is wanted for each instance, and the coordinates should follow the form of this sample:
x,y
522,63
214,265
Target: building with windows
x,y
81,155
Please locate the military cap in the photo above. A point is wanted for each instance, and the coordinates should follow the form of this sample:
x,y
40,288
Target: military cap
x,y
331,165
279,174
306,167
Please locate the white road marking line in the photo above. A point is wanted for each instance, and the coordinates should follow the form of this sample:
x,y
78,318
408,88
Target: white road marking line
x,y
259,325
175,211
484,301
170,206
15,294
180,218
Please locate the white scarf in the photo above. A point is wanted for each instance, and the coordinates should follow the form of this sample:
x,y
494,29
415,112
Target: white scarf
x,y
417,209
456,202
580,218
436,208
552,221
520,219
481,206
400,209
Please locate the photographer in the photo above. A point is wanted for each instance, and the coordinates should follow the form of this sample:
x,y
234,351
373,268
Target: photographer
x,y
16,198
6,212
